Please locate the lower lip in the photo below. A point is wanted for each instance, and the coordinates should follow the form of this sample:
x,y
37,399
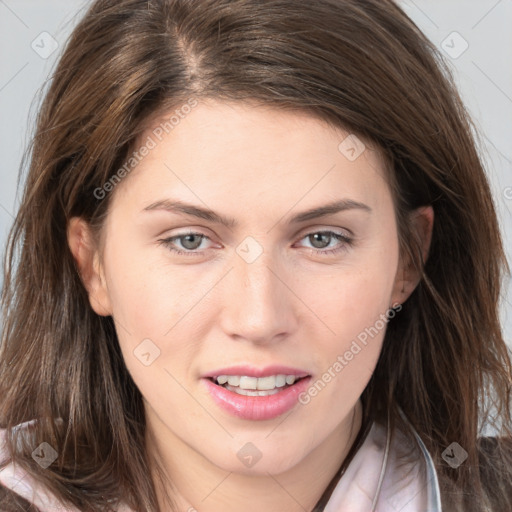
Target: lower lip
x,y
257,407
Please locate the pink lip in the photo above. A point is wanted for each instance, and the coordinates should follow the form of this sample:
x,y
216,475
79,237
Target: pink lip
x,y
256,407
250,371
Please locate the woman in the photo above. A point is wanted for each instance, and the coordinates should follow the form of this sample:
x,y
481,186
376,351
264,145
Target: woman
x,y
257,266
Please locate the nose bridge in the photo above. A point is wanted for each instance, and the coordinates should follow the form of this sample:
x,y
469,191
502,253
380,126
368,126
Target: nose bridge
x,y
253,265
257,280
258,304
258,285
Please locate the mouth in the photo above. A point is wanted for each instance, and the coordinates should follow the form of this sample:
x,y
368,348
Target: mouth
x,y
246,385
253,394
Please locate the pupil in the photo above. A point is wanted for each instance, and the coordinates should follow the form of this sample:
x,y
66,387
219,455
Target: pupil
x,y
190,245
318,235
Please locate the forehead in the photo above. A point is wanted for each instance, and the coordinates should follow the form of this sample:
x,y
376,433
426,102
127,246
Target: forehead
x,y
240,151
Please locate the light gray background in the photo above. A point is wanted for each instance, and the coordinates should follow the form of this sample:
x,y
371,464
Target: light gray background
x,y
29,29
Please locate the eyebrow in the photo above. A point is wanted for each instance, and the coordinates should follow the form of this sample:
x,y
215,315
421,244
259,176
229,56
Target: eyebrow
x,y
175,206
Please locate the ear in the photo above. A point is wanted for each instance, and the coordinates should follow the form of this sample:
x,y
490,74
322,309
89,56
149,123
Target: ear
x,y
87,259
408,275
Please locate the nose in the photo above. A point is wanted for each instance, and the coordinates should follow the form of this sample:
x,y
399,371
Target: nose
x,y
259,305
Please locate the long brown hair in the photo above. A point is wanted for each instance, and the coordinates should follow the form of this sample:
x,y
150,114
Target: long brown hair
x,y
361,65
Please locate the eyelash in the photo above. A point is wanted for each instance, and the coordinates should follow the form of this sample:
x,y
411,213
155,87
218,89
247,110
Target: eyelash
x,y
339,236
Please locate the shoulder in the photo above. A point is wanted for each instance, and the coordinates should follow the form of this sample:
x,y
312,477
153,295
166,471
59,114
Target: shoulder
x,y
390,471
10,501
18,489
21,492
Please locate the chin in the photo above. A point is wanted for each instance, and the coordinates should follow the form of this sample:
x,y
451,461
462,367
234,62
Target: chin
x,y
258,458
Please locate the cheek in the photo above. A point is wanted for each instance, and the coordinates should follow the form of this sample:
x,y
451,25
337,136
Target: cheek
x,y
353,304
157,309
150,312
357,321
148,296
347,358
353,299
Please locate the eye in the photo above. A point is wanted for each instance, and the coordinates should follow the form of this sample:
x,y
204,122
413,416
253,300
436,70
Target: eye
x,y
190,241
322,239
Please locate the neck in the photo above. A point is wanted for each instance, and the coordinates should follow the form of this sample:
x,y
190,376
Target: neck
x,y
194,483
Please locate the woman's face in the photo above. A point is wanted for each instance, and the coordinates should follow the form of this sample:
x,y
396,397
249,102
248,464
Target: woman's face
x,y
263,294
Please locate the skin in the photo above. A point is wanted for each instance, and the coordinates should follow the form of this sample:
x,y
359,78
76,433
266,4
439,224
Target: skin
x,y
289,306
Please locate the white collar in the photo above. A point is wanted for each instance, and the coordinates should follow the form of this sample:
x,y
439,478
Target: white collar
x,y
376,480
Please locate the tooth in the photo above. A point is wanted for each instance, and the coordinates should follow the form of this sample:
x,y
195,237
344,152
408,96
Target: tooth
x,y
266,383
249,392
245,382
233,380
280,381
248,382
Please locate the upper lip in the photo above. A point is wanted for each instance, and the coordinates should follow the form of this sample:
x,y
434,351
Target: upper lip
x,y
251,371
